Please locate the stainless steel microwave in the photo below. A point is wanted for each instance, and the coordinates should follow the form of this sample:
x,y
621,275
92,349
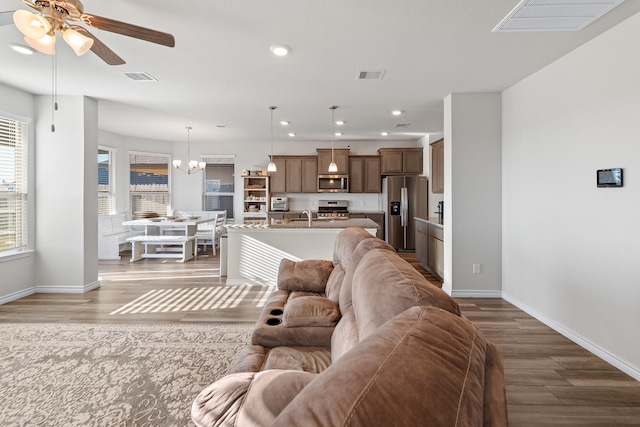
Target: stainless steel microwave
x,y
333,183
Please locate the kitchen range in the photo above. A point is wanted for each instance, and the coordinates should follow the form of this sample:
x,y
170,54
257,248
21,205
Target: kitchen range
x,y
333,209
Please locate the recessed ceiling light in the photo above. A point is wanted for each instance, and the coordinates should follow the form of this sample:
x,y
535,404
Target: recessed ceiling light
x,y
284,122
396,112
279,49
291,134
338,133
339,122
384,133
20,48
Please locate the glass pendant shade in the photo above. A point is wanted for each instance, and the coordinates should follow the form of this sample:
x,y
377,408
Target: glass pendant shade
x,y
78,42
272,167
45,44
333,167
31,25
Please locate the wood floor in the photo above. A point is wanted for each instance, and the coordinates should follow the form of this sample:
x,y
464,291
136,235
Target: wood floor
x,y
550,380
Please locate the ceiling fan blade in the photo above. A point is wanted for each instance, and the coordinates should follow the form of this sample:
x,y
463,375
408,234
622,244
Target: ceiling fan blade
x,y
6,18
101,49
130,30
32,5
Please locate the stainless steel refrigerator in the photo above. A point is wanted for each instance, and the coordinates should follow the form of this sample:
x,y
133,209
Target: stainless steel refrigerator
x,y
403,198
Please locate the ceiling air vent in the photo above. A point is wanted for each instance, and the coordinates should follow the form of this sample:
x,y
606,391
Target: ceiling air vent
x,y
550,15
370,75
140,76
401,125
221,126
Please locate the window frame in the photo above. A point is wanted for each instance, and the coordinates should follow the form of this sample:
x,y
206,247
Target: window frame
x,y
111,192
209,160
19,172
167,193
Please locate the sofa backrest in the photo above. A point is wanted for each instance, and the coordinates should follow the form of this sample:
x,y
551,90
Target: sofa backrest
x,y
383,286
350,246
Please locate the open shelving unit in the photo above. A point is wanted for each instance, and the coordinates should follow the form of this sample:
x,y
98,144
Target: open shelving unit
x,y
256,199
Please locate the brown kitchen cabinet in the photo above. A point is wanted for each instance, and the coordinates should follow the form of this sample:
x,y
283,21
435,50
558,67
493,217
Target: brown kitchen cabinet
x,y
340,156
430,247
401,161
364,174
437,167
295,174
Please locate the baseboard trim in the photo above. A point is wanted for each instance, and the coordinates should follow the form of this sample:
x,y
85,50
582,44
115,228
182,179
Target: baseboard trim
x,y
476,294
67,289
581,341
17,295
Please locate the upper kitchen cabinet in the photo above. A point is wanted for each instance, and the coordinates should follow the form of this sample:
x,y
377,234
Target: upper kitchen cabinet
x,y
401,161
340,156
437,167
364,174
295,174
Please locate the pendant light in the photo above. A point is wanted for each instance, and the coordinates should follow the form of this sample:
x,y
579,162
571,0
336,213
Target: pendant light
x,y
332,166
193,165
272,166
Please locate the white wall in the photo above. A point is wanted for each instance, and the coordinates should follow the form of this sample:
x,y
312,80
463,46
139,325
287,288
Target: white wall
x,y
571,249
472,197
17,274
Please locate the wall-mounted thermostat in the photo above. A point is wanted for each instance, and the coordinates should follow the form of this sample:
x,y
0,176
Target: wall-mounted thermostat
x,y
609,177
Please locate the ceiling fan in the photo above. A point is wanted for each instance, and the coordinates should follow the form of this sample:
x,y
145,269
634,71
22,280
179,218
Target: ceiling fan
x,y
55,16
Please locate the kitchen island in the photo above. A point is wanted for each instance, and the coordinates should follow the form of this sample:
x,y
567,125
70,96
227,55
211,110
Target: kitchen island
x,y
254,252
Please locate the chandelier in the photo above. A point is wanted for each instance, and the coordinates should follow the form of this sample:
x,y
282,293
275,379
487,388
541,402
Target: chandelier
x,y
193,165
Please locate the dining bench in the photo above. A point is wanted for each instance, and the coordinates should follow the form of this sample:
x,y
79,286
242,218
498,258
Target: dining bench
x,y
112,235
160,246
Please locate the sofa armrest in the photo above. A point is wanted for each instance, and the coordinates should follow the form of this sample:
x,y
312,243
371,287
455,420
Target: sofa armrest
x,y
307,275
267,394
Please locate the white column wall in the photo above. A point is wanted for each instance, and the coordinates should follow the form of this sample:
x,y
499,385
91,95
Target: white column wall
x,y
66,195
472,230
570,249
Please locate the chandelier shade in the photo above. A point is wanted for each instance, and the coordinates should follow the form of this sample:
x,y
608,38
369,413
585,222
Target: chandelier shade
x,y
31,25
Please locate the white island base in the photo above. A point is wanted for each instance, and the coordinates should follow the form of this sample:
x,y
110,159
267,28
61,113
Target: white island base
x,y
254,252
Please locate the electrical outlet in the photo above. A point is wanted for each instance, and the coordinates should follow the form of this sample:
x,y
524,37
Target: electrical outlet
x,y
476,268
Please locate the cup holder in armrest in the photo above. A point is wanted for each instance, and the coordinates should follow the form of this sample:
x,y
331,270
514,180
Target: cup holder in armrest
x,y
276,312
273,321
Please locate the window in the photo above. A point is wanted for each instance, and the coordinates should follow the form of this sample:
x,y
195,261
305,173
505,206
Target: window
x,y
149,185
218,184
13,185
106,204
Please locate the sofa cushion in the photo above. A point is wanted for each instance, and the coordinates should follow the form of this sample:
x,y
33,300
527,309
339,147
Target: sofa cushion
x,y
334,283
424,367
346,242
307,359
225,401
307,275
310,311
385,285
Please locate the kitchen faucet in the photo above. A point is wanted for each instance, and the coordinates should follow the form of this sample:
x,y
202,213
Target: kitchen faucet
x,y
308,213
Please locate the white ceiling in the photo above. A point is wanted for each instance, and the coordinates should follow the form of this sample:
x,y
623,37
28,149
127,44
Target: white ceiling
x,y
221,71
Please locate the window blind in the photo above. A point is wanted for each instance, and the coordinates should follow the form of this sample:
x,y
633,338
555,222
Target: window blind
x,y
218,186
13,184
106,203
149,184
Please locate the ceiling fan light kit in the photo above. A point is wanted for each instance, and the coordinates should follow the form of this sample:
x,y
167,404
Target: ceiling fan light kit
x,y
54,16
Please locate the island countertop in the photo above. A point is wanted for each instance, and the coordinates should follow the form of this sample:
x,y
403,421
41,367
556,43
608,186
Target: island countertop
x,y
433,220
303,223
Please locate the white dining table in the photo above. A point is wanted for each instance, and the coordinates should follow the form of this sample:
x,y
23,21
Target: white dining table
x,y
154,229
153,226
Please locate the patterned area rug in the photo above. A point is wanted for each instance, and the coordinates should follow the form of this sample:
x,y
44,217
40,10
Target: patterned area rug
x,y
110,375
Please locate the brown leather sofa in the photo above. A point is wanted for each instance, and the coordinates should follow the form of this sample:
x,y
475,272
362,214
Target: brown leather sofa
x,y
364,340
